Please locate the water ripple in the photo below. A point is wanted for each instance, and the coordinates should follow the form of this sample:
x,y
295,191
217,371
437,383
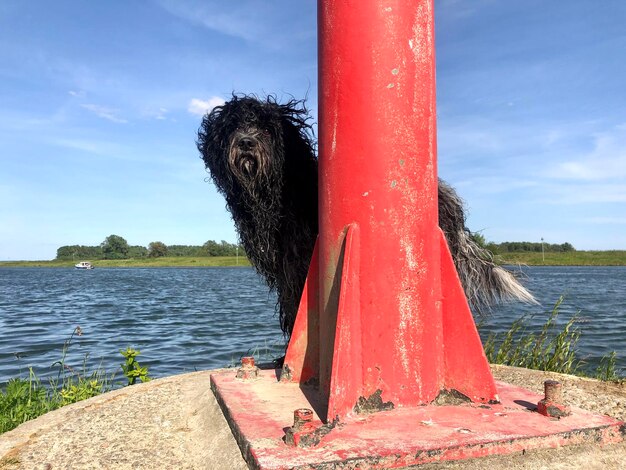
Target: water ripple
x,y
181,319
185,319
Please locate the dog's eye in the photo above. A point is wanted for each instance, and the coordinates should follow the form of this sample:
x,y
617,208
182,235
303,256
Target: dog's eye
x,y
265,132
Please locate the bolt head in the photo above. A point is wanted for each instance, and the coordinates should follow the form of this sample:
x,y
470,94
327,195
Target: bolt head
x,y
552,409
247,361
302,415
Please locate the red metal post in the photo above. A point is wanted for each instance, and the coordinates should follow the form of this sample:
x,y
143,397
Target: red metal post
x,y
388,293
378,173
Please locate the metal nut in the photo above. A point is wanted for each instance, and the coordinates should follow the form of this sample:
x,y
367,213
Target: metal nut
x,y
247,370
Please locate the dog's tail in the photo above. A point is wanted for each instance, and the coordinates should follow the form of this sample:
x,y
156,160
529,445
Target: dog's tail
x,y
484,282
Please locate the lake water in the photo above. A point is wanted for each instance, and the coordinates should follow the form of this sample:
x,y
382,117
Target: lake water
x,y
201,318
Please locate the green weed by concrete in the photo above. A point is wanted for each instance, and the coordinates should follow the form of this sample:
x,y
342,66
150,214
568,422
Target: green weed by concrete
x,y
551,349
26,399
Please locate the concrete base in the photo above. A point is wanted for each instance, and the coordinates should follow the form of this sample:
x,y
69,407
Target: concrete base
x,y
175,423
169,423
259,409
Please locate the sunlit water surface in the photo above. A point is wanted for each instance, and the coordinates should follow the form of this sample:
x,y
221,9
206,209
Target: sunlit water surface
x,y
186,319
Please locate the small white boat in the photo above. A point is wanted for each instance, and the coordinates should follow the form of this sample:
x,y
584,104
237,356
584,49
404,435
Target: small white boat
x,y
83,265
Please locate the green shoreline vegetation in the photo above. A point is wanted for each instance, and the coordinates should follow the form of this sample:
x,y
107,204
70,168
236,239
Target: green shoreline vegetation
x,y
24,399
163,262
574,258
552,348
115,252
549,254
577,258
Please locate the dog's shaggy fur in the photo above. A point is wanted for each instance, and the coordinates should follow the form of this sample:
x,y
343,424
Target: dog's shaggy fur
x,y
261,158
484,282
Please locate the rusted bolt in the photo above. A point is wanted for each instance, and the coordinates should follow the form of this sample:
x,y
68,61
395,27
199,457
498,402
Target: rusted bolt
x,y
302,416
285,374
247,370
302,433
247,361
552,404
553,391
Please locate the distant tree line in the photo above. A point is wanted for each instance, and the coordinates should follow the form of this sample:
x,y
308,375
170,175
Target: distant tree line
x,y
510,247
116,247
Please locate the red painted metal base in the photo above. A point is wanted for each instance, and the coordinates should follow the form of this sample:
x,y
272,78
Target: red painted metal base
x,y
261,410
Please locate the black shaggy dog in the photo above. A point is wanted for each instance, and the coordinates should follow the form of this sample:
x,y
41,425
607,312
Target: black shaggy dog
x,y
261,158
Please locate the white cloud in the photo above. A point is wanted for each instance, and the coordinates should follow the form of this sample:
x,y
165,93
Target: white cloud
x,y
161,114
459,10
495,184
78,144
108,148
584,193
104,112
250,20
201,107
607,159
233,20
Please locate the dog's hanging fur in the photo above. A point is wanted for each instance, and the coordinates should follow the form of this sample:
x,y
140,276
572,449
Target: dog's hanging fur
x,y
484,282
261,158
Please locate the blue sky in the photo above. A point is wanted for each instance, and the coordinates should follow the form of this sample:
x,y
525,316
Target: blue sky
x,y
100,103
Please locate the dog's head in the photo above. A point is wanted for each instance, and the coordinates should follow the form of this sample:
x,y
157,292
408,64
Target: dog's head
x,y
243,142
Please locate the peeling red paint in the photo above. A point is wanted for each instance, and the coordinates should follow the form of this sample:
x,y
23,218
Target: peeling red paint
x,y
260,411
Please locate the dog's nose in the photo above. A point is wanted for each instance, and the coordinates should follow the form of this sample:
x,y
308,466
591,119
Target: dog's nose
x,y
246,143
